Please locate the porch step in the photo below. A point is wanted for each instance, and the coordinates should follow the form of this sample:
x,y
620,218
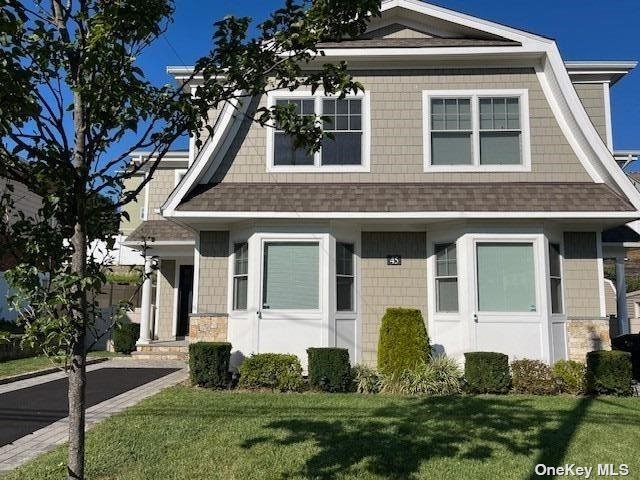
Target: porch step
x,y
160,356
173,350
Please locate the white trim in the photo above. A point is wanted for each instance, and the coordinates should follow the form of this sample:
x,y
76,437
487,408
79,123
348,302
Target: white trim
x,y
145,216
196,274
475,96
600,261
163,243
607,114
365,96
178,174
176,286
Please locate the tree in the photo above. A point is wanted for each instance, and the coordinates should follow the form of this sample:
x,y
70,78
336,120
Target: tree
x,y
73,95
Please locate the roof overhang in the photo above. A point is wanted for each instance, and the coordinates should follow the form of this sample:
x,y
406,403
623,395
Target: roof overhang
x,y
599,71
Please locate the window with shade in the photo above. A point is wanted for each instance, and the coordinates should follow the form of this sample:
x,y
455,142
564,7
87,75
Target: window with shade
x,y
345,277
240,275
446,278
555,278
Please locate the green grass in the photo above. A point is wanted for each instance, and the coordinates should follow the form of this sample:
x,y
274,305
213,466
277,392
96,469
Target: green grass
x,y
24,365
198,434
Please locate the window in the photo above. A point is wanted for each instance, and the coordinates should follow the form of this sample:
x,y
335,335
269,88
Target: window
x,y
344,277
240,275
482,130
345,146
555,275
506,277
291,277
446,278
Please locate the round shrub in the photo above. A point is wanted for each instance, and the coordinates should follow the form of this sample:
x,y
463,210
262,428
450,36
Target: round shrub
x,y
569,376
487,372
532,377
365,379
609,372
329,369
403,342
209,364
125,336
276,371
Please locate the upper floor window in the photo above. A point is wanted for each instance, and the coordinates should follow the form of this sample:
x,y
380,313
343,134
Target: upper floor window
x,y
346,143
483,130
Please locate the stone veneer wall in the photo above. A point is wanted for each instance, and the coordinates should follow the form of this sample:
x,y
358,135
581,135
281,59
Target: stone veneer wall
x,y
586,335
386,286
208,328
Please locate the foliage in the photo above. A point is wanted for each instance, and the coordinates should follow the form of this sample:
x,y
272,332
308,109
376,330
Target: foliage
x,y
329,369
10,327
532,377
366,379
569,376
487,372
630,343
12,347
125,335
403,343
609,372
276,371
440,376
132,277
209,364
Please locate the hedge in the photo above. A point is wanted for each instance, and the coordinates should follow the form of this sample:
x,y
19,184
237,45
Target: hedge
x,y
209,364
487,372
10,349
329,369
277,371
403,342
532,377
609,372
630,343
125,336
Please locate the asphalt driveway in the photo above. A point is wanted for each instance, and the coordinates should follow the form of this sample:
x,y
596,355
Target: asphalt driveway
x,y
29,409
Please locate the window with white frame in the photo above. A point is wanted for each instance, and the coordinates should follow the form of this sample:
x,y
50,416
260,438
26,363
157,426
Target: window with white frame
x,y
476,130
345,277
446,277
555,278
345,143
240,275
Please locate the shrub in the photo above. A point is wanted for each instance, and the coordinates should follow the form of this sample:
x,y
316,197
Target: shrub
x,y
276,371
209,364
329,369
487,372
609,372
630,343
10,327
125,336
11,348
532,377
569,376
403,342
366,379
440,376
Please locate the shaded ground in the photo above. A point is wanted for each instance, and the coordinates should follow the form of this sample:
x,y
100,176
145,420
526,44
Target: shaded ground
x,y
29,409
9,368
199,434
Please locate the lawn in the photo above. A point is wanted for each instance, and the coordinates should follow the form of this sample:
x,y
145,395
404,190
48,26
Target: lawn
x,y
198,434
24,365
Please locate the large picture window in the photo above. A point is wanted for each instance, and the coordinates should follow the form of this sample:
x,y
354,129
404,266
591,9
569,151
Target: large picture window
x,y
291,276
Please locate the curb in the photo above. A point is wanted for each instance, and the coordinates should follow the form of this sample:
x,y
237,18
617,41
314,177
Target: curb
x,y
46,371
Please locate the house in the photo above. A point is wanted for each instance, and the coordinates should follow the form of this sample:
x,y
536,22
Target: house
x,y
472,180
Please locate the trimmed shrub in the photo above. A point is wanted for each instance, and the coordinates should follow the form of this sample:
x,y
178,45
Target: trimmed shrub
x,y
532,377
440,376
365,379
209,364
11,348
609,372
276,371
329,369
125,336
569,376
630,343
487,372
403,342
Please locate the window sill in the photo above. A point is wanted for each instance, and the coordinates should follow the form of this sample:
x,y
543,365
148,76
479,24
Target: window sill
x,y
478,169
314,169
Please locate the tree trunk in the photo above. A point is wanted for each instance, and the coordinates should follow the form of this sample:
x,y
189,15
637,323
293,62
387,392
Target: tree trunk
x,y
77,407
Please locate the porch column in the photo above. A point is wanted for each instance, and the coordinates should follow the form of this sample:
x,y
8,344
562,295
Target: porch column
x,y
621,297
145,314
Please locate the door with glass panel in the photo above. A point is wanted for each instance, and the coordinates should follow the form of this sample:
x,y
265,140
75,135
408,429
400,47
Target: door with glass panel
x,y
290,314
507,315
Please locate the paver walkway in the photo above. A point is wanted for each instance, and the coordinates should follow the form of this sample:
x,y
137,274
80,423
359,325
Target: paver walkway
x,y
109,390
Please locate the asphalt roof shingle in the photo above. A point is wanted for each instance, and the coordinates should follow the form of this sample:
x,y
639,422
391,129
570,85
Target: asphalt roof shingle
x,y
160,231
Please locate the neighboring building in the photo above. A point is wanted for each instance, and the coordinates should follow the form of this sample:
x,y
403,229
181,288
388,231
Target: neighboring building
x,y
472,180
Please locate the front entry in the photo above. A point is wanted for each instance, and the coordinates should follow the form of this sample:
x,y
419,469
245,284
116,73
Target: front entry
x,y
185,299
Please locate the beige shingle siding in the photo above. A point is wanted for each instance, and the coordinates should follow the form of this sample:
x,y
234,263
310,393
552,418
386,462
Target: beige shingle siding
x,y
212,282
133,207
166,284
592,97
24,200
385,286
396,30
160,187
397,135
581,275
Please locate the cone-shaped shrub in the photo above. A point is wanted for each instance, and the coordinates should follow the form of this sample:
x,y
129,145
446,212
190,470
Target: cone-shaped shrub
x,y
403,343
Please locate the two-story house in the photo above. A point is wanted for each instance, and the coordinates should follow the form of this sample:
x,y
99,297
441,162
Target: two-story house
x,y
472,179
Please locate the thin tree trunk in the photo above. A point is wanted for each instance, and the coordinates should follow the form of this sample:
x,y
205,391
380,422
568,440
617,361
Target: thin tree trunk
x,y
77,407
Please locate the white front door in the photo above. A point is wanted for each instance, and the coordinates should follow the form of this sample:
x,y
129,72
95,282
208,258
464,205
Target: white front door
x,y
291,308
509,308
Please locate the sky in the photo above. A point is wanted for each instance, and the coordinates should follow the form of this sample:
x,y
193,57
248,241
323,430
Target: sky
x,y
584,30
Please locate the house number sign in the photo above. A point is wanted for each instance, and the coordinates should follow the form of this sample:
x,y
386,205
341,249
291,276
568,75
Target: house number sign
x,y
394,260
